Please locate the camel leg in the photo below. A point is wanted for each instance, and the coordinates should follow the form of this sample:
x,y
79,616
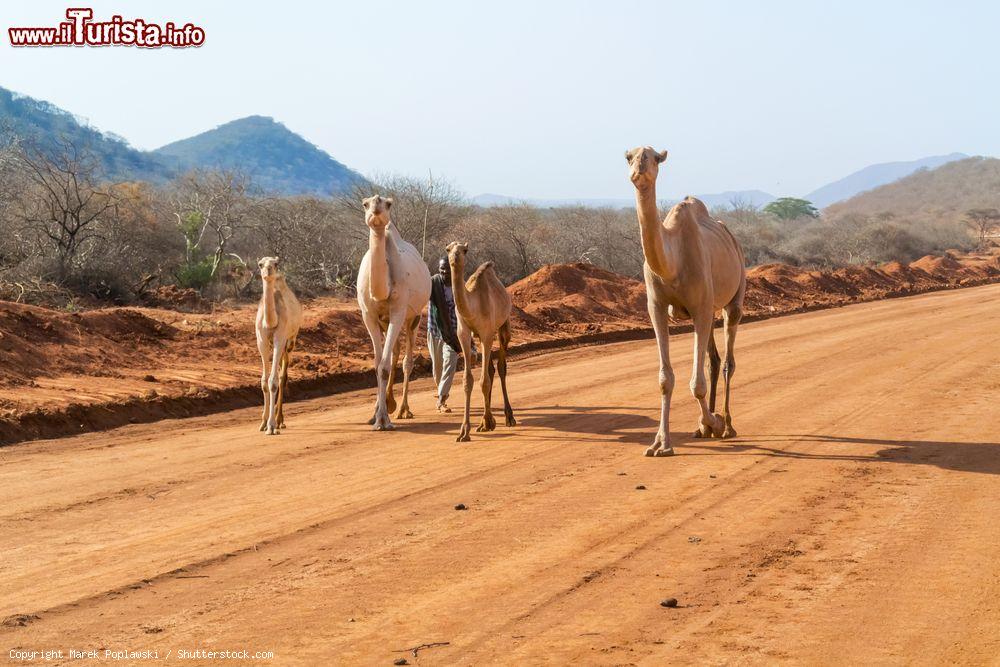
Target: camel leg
x,y
488,423
390,397
502,370
658,316
279,418
731,319
284,382
384,372
375,332
411,344
714,363
274,384
710,424
264,347
466,344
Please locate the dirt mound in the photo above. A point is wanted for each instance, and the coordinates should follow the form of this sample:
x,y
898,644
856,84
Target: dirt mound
x,y
565,296
176,298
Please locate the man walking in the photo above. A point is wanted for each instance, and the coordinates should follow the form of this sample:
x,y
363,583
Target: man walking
x,y
442,334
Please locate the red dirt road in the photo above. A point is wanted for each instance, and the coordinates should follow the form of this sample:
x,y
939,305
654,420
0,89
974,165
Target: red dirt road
x,y
855,519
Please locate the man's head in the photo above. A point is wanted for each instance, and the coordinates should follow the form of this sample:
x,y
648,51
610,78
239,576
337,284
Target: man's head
x,y
444,268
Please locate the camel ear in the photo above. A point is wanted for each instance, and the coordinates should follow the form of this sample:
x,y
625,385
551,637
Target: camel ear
x,y
628,156
277,260
661,157
388,204
464,247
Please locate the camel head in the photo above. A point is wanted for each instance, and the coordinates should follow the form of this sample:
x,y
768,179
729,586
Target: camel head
x,y
377,211
269,270
644,165
456,255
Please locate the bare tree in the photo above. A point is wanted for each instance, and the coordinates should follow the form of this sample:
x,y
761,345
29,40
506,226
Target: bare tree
x,y
210,208
64,202
983,221
424,211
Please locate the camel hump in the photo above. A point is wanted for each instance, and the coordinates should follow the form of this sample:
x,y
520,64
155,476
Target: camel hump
x,y
696,204
473,280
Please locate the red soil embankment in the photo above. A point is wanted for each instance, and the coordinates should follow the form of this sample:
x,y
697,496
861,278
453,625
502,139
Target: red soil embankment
x,y
70,372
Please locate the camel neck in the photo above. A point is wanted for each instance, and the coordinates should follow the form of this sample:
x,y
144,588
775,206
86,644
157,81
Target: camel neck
x,y
379,265
655,244
270,305
458,289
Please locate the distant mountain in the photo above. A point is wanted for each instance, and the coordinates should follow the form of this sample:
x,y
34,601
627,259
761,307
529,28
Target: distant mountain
x,y
945,193
46,125
756,198
276,158
753,197
874,176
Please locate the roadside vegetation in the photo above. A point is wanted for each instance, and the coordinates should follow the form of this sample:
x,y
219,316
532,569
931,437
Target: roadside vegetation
x,y
71,238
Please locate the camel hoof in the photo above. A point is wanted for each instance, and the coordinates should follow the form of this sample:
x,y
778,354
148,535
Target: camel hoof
x,y
666,451
719,427
464,437
698,434
729,433
511,421
383,427
263,427
404,414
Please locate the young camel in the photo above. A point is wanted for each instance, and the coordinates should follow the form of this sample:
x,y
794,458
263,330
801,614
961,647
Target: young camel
x,y
279,317
694,267
394,285
483,307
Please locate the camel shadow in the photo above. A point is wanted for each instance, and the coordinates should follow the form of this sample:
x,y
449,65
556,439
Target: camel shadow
x,y
619,427
976,457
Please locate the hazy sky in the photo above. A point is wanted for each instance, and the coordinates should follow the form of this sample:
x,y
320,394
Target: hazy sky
x,y
540,99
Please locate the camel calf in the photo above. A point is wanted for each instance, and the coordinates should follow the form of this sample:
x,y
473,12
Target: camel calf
x,y
279,317
483,307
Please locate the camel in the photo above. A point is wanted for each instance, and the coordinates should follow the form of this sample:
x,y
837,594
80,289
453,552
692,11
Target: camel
x,y
394,285
483,307
693,267
279,317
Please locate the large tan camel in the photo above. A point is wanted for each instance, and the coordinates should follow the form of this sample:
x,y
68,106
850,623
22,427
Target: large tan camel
x,y
394,285
279,317
694,267
483,307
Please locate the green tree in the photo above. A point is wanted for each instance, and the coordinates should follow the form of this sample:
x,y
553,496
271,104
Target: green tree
x,y
790,208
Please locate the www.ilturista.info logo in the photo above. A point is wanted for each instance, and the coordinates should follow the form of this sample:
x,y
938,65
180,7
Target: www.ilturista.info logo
x,y
81,30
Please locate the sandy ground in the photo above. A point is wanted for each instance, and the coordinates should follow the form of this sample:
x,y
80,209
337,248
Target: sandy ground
x,y
853,521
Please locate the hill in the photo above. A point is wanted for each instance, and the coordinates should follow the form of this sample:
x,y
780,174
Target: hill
x,y
279,160
46,124
932,195
276,158
873,176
